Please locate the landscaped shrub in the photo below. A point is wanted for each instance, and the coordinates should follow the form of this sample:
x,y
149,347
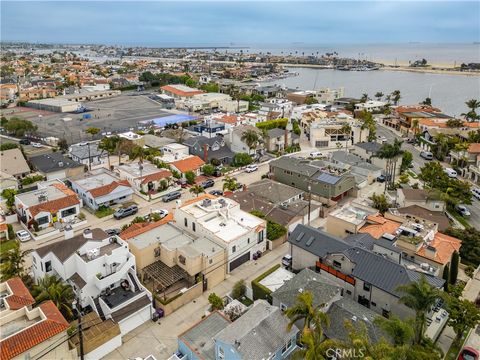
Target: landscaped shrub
x,y
260,291
239,289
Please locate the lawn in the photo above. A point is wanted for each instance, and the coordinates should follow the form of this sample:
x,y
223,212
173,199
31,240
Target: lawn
x,y
7,245
104,211
245,301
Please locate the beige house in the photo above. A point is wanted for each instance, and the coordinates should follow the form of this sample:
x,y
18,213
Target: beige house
x,y
328,133
13,163
421,197
348,219
145,177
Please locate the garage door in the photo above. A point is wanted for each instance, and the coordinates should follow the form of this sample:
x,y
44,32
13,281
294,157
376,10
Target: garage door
x,y
239,261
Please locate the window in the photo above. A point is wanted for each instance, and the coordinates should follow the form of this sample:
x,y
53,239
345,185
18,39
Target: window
x,y
48,266
221,353
68,212
248,241
260,237
34,259
337,264
234,248
287,346
319,143
185,222
42,220
210,261
193,226
157,252
366,286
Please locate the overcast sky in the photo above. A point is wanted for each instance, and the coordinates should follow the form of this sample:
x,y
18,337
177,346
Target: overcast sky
x,y
223,22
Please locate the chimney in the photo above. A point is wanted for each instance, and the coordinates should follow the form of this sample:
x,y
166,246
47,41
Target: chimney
x,y
87,234
430,251
205,152
68,232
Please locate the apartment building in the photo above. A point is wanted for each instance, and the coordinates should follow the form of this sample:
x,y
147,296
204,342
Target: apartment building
x,y
102,272
221,220
330,133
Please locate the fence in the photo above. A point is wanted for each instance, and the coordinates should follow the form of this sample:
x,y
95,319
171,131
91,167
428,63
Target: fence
x,y
181,298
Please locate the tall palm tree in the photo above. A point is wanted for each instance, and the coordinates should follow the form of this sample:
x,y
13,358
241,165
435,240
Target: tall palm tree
x,y
401,332
419,296
11,263
379,95
123,147
415,126
197,189
314,347
462,148
312,316
368,122
364,98
53,288
395,96
251,138
472,115
137,152
391,153
346,129
109,145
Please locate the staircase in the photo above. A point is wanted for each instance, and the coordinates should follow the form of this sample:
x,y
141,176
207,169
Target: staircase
x,y
135,285
99,308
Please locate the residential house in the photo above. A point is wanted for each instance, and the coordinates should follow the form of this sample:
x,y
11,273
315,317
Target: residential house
x,y
101,188
56,166
237,145
368,278
368,151
180,91
276,140
208,128
420,213
163,247
13,163
464,159
221,220
474,171
8,181
87,153
260,333
304,174
191,163
145,177
360,168
370,106
328,96
134,138
344,102
29,332
271,111
429,200
348,219
8,92
210,149
101,270
52,202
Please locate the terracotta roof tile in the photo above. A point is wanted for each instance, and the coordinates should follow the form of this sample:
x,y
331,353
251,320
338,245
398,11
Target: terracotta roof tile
x,y
140,228
199,198
3,227
445,246
20,295
377,226
188,164
34,335
179,92
54,206
107,189
162,174
63,188
474,148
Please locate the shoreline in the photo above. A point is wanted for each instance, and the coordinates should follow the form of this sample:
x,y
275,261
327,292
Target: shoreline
x,y
391,68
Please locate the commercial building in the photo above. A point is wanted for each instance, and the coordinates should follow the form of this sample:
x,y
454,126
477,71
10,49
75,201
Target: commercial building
x,y
60,105
180,91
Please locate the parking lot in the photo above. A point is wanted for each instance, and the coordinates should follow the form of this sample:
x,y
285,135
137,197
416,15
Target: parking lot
x,y
116,114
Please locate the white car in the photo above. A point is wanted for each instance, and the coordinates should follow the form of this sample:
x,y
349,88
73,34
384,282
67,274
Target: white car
x,y
36,145
251,168
476,193
462,210
23,235
315,154
382,140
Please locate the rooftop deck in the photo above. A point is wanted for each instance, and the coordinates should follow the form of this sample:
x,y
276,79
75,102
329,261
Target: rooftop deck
x,y
104,250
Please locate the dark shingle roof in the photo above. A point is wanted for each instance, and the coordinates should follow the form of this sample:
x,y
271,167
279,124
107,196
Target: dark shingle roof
x,y
322,244
131,308
48,163
82,151
360,240
435,216
371,146
277,132
274,191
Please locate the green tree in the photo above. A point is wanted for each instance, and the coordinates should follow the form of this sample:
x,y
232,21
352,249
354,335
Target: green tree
x,y
379,95
19,127
380,202
11,263
407,160
8,146
197,189
419,296
470,249
53,288
367,122
190,177
446,277
92,131
215,301
210,87
242,159
311,100
62,144
401,332
346,129
230,183
391,153
239,289
208,169
454,268
454,123
136,152
472,115
109,144
463,315
304,310
364,98
396,96
9,196
427,101
251,138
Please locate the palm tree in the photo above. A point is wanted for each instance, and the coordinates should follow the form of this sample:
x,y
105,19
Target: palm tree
x,y
391,153
364,98
109,145
251,138
123,147
52,288
367,123
395,96
11,263
379,95
419,296
415,126
197,189
230,183
312,316
401,332
137,152
314,347
462,148
472,115
346,129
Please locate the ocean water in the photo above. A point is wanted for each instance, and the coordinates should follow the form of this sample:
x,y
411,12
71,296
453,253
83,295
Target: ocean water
x,y
448,92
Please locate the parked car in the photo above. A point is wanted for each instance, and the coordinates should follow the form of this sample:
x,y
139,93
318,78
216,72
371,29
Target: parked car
x,y
411,141
217,173
450,172
36,145
161,213
462,210
251,168
382,139
316,154
124,212
469,353
24,142
427,155
216,192
172,196
476,193
23,235
207,183
112,232
287,260
381,179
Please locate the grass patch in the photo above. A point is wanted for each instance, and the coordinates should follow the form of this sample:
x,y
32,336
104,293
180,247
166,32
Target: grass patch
x,y
245,301
412,174
104,211
226,169
460,219
7,245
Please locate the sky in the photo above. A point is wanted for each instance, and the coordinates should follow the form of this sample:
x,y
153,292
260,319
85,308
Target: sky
x,y
202,23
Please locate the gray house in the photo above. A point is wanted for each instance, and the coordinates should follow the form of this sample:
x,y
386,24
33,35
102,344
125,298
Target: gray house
x,y
324,181
210,148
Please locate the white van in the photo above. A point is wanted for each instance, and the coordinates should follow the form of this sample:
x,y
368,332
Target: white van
x,y
450,172
315,154
427,155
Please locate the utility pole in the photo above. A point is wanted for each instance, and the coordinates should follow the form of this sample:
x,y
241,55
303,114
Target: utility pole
x,y
76,304
309,202
89,158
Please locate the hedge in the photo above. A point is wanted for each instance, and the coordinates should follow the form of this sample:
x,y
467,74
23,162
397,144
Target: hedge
x,y
260,291
168,301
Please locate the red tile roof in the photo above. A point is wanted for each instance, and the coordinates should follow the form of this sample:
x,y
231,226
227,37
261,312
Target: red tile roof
x,y
415,108
34,335
63,188
474,148
162,174
54,206
377,225
140,228
174,90
20,295
445,246
191,163
228,119
197,199
107,189
3,227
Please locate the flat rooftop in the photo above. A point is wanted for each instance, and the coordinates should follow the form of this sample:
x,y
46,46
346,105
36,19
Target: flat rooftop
x,y
20,322
34,197
352,214
93,181
134,169
103,250
54,102
276,279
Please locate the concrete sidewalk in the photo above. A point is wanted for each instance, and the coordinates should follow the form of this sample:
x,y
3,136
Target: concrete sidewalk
x,y
160,339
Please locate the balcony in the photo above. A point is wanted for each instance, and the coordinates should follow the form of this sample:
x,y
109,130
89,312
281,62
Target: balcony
x,y
104,281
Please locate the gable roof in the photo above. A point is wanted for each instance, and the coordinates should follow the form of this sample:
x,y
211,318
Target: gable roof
x,y
162,174
32,336
107,189
316,241
140,228
438,217
274,191
84,150
13,162
48,163
54,206
188,164
377,225
371,146
365,241
20,296
415,194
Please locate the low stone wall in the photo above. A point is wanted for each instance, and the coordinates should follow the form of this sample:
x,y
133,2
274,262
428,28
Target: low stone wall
x,y
179,300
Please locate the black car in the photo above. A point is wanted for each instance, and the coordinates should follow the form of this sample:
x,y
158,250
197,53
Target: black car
x,y
24,142
172,196
207,183
112,232
217,173
216,192
124,212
